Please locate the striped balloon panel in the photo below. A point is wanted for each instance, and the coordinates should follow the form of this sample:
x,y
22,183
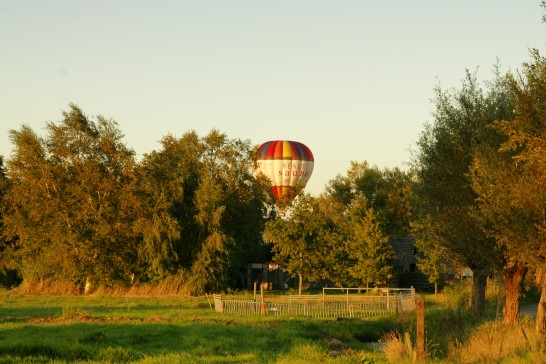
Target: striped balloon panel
x,y
287,164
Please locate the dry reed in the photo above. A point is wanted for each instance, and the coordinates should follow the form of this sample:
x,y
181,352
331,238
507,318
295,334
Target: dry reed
x,y
494,342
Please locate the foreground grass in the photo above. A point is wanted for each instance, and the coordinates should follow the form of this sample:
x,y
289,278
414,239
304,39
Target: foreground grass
x,y
117,329
40,329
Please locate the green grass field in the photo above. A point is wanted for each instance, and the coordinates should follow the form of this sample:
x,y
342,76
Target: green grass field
x,y
43,329
118,329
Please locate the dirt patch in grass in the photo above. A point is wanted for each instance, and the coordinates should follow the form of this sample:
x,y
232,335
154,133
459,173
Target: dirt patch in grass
x,y
87,318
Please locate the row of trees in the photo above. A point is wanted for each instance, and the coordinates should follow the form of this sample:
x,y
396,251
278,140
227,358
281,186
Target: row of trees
x,y
77,207
342,235
475,197
480,173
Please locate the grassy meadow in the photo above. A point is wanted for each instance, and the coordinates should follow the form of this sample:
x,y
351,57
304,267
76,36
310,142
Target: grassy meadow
x,y
123,328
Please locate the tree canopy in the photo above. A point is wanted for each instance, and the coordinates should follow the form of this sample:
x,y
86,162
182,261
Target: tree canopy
x,y
70,207
81,210
442,165
509,178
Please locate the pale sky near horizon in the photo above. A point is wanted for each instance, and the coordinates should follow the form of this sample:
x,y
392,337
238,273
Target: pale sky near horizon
x,y
353,80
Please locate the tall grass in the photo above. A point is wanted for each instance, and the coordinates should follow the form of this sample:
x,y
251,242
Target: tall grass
x,y
454,334
494,342
177,284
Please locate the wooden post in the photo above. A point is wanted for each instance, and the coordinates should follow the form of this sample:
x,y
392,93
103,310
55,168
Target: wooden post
x,y
255,291
262,294
420,344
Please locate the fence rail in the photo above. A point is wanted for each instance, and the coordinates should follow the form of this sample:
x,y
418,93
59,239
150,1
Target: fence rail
x,y
357,306
306,298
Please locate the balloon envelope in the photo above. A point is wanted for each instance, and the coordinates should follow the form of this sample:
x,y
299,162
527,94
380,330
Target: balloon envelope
x,y
288,165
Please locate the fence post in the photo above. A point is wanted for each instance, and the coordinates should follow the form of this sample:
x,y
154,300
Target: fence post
x,y
262,295
255,290
420,344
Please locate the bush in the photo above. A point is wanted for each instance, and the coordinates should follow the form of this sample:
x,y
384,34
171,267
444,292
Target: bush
x,y
9,278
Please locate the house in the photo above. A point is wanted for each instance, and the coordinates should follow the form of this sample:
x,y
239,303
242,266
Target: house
x,y
406,273
269,272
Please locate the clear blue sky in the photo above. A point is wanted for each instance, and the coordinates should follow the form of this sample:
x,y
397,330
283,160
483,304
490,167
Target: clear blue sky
x,y
351,79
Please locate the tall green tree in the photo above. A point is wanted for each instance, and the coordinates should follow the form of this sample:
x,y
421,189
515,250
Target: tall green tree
x,y
4,187
369,254
371,205
167,182
442,165
203,211
8,275
299,240
230,211
434,260
388,192
510,180
71,206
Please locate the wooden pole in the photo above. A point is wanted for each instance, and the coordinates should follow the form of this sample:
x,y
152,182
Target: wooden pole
x,y
262,294
420,344
255,291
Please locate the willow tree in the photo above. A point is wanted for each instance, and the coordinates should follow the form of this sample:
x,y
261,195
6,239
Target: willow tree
x,y
168,179
202,211
229,211
442,166
71,207
511,184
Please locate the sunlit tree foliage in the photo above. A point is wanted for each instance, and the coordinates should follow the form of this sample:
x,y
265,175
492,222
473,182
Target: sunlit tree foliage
x,y
442,165
71,206
510,180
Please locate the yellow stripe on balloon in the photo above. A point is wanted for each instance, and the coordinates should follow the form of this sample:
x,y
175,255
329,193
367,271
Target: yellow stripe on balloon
x,y
286,149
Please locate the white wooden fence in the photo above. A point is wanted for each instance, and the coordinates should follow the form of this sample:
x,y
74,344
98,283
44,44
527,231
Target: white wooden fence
x,y
323,306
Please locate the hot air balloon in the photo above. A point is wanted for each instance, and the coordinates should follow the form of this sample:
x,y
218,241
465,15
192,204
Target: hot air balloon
x,y
287,164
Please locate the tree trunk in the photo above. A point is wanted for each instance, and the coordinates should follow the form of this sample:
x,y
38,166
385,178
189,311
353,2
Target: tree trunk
x,y
513,277
479,283
541,312
300,284
88,286
500,296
